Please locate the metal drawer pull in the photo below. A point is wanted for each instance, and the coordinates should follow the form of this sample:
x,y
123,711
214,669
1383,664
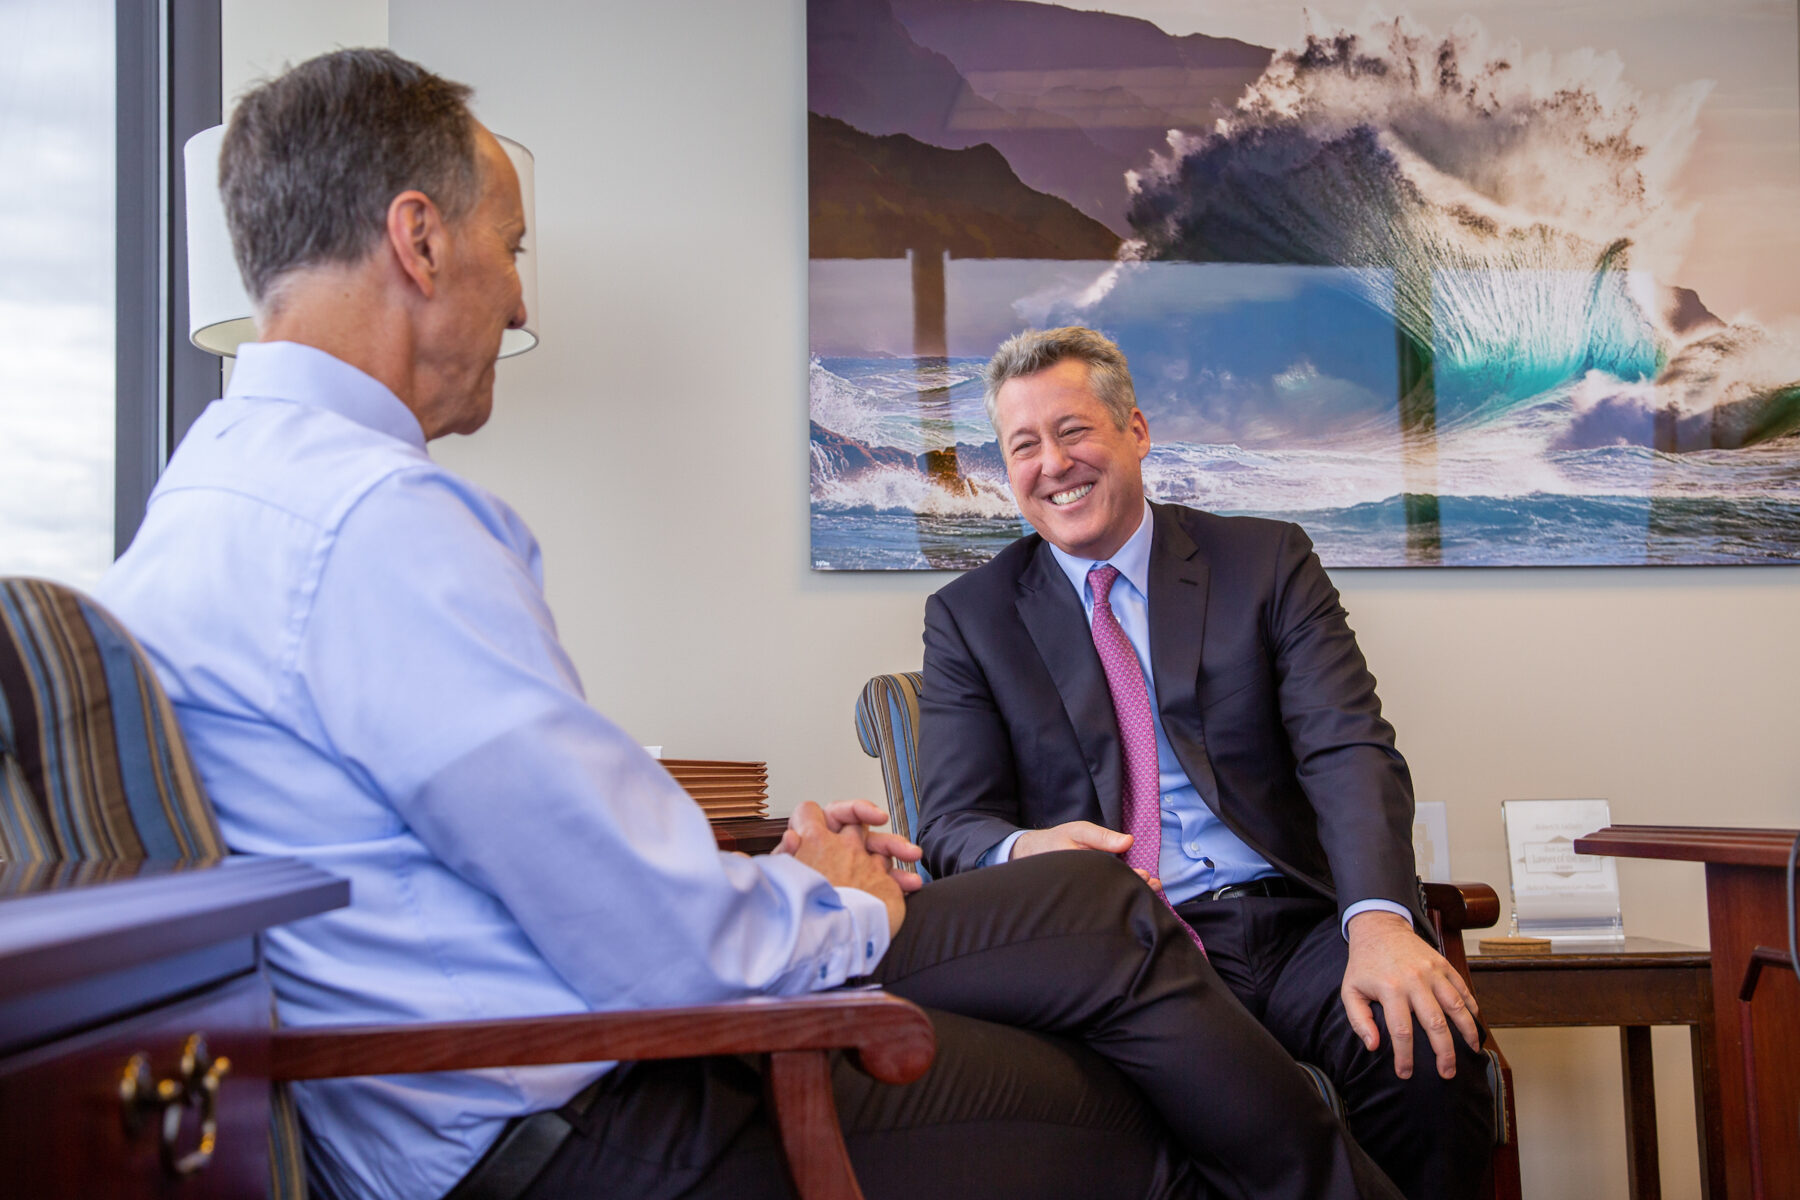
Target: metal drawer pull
x,y
197,1087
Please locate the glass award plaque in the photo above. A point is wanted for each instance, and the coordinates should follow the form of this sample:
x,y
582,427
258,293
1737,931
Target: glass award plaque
x,y
1556,892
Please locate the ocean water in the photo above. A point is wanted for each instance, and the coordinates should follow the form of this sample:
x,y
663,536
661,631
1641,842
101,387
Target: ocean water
x,y
1420,296
1494,492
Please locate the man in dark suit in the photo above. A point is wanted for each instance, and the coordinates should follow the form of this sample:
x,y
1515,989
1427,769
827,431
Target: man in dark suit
x,y
1183,689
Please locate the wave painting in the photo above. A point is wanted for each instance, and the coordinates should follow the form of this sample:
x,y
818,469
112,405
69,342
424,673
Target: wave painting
x,y
1467,296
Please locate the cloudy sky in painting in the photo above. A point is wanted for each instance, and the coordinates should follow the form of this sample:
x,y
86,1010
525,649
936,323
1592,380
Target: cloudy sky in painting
x,y
1744,173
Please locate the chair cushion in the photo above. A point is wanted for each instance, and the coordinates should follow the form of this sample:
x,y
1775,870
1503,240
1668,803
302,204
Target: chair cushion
x,y
92,764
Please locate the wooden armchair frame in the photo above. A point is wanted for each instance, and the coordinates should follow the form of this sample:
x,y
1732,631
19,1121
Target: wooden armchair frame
x,y
1454,907
888,1038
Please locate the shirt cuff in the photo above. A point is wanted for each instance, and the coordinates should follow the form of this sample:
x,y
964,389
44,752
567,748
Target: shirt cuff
x,y
1001,851
869,923
1363,906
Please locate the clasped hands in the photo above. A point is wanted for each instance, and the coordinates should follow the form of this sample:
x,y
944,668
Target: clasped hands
x,y
840,842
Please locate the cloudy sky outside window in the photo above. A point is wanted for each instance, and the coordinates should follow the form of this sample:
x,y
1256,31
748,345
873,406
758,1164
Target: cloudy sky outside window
x,y
56,288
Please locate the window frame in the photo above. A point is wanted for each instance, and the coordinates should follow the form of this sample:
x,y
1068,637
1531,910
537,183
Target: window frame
x,y
169,79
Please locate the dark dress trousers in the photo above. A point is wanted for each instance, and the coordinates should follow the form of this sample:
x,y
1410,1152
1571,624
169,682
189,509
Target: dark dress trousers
x,y
1082,1041
1271,710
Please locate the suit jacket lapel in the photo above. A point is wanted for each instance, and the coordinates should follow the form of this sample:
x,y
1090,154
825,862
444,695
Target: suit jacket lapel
x,y
1053,615
1178,590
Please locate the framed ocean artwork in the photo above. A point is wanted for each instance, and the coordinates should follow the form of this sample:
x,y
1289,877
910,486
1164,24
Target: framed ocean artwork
x,y
1492,283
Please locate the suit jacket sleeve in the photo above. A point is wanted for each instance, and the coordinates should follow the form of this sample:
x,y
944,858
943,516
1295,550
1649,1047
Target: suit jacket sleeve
x,y
1344,755
968,800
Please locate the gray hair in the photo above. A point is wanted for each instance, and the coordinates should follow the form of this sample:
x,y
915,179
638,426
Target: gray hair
x,y
1040,349
313,158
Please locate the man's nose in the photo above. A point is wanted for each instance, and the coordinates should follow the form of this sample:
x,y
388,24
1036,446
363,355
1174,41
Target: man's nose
x,y
519,316
1054,460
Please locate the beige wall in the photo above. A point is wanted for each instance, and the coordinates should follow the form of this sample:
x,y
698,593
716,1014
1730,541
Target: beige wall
x,y
260,38
656,441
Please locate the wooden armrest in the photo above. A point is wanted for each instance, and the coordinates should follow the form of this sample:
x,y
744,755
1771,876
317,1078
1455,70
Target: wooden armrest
x,y
891,1038
1461,906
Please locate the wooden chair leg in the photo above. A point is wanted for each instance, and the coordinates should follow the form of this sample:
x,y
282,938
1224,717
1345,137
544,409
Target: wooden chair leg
x,y
806,1118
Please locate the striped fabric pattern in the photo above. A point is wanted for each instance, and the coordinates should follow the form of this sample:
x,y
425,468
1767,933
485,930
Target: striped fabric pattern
x,y
887,723
92,763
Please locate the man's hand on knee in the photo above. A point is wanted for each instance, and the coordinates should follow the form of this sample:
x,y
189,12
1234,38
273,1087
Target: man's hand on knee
x,y
1076,835
1393,966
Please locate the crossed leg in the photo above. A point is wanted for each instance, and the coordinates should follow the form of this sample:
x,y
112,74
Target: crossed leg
x,y
1085,1049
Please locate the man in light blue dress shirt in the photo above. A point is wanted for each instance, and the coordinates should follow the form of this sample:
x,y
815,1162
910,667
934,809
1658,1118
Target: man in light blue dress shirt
x,y
357,644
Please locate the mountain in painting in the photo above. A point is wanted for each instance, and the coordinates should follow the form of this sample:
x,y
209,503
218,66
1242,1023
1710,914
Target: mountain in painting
x,y
865,69
878,197
1121,80
1072,99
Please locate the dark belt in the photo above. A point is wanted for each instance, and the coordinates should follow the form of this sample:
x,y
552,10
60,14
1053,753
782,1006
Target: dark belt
x,y
1270,885
525,1147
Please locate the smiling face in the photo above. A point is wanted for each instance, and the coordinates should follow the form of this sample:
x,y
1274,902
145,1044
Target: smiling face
x,y
1076,476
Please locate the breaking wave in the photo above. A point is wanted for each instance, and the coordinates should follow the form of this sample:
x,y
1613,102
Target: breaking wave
x,y
905,436
1512,214
882,405
896,490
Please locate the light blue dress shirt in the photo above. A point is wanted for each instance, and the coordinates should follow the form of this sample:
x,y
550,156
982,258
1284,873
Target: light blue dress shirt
x,y
1199,851
357,645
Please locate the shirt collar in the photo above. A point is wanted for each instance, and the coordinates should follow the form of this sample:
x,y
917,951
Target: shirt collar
x,y
1132,560
307,375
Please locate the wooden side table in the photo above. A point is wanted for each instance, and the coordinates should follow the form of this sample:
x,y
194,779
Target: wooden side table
x,y
752,835
1633,984
1758,1027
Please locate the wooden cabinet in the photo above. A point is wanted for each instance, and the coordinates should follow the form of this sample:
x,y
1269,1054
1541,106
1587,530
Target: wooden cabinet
x,y
146,972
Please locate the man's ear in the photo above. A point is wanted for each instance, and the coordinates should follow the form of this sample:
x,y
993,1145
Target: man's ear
x,y
417,237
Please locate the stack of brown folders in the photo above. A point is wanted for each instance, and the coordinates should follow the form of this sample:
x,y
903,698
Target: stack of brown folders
x,y
724,790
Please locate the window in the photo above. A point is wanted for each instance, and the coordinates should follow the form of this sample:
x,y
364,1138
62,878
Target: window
x,y
57,249
97,380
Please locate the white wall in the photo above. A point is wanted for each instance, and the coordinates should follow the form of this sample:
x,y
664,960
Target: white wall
x,y
656,441
261,38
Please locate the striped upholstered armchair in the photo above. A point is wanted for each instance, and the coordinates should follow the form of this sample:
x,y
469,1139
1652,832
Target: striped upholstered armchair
x,y
887,723
92,764
93,768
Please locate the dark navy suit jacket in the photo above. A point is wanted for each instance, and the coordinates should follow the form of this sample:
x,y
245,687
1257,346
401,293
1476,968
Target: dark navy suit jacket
x,y
1263,693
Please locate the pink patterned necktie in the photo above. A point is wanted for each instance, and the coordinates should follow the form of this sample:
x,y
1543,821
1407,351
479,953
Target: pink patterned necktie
x,y
1137,732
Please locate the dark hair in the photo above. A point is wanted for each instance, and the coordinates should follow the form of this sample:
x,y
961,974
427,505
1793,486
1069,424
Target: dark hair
x,y
314,157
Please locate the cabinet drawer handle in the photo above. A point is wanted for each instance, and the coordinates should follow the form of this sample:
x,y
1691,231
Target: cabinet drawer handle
x,y
196,1087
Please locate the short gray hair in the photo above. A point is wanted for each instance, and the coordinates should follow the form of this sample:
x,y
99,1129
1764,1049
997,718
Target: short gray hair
x,y
313,158
1040,349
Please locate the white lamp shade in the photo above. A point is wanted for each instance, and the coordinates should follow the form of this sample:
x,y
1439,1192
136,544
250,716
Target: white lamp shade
x,y
219,313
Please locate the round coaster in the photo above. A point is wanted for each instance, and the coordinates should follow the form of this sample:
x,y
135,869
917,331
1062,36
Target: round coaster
x,y
1514,945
